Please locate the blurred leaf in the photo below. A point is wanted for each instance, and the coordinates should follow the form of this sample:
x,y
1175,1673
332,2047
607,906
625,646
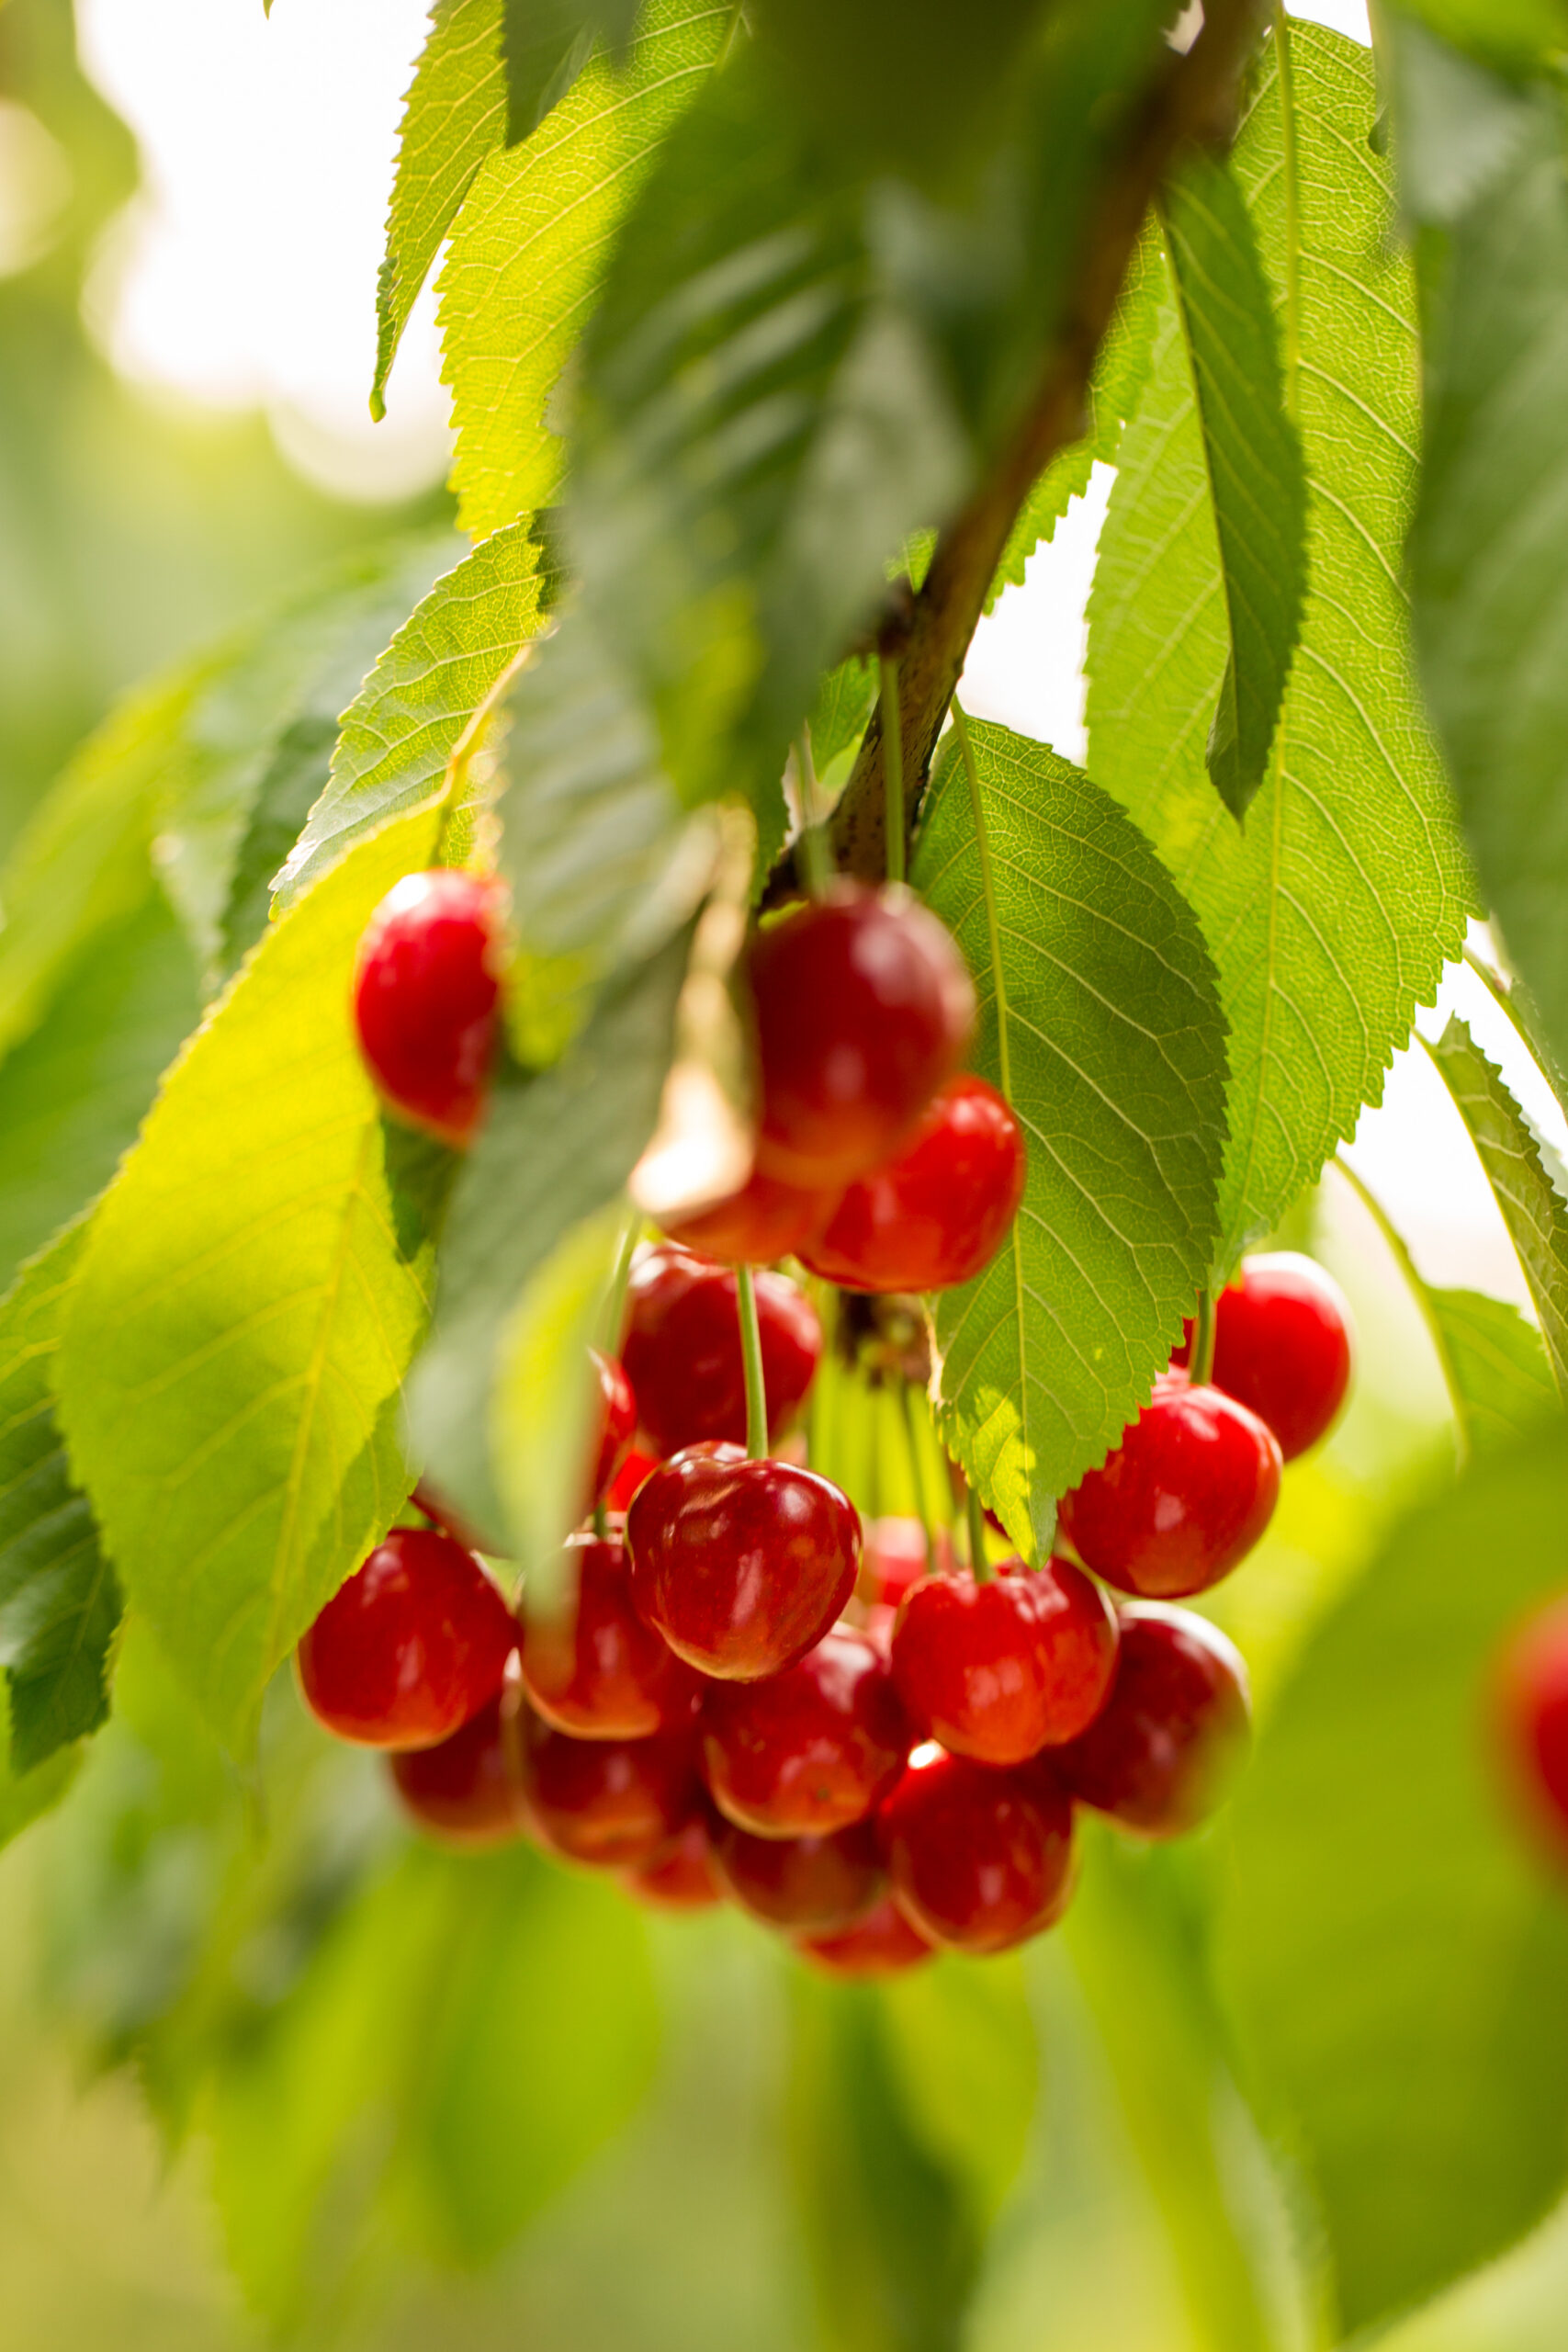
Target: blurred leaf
x,y
1536,1218
1404,2022
553,1148
844,703
1457,126
27,1795
546,44
1499,1374
529,251
1488,567
244,1312
962,2052
1516,35
399,734
1252,455
1330,915
1102,1027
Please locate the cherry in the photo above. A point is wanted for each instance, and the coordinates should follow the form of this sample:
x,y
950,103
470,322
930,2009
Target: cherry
x,y
895,1558
618,1802
980,1860
1001,1669
816,1885
628,1479
683,1349
864,1006
882,1944
467,1792
1160,1755
684,1879
1532,1721
741,1566
938,1213
410,1647
762,1221
811,1749
599,1671
1284,1344
425,998
615,1419
1183,1499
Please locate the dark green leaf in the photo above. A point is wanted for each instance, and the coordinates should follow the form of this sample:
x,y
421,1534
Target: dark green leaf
x,y
59,1601
1392,1948
1099,1021
25,1796
545,45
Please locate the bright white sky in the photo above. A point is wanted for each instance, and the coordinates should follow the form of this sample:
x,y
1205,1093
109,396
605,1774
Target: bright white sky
x,y
245,276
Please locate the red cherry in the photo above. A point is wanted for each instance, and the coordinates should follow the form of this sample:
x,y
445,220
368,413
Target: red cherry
x,y
599,1671
1176,1727
999,1670
628,1479
1283,1345
1183,1499
882,1944
937,1214
1532,1713
425,998
410,1647
811,1749
615,1412
618,1802
864,1006
741,1566
979,1859
763,1221
816,1885
683,1349
684,1879
467,1792
895,1558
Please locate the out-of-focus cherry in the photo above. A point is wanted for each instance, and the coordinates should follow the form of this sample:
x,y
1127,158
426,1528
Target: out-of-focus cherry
x,y
1166,1745
813,1885
979,1859
598,1670
618,1802
681,1352
468,1791
684,1878
411,1647
763,1221
937,1213
882,1944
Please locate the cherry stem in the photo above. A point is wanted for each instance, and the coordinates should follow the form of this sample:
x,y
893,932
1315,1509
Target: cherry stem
x,y
616,1297
892,768
601,1521
917,1483
980,1567
814,858
1203,1340
751,1364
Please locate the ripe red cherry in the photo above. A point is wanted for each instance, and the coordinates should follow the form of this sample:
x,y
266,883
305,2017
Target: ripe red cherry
x,y
615,1417
683,1879
816,1885
882,1944
979,1859
864,1006
618,1802
683,1349
467,1792
425,998
938,1212
628,1479
764,1220
811,1749
1531,1709
411,1645
1183,1499
1169,1738
1283,1345
1001,1670
741,1566
599,1671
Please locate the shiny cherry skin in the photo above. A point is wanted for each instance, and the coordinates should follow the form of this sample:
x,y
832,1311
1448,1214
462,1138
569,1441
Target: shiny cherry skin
x,y
882,1944
620,1803
615,1410
1183,1499
763,1221
681,1352
426,989
863,1006
1001,1669
628,1479
411,1647
467,1792
741,1566
937,1213
1284,1345
598,1670
980,1860
1531,1708
814,1885
1163,1750
685,1878
808,1750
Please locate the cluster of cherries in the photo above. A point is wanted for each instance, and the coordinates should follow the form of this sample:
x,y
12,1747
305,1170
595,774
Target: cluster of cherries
x,y
868,1746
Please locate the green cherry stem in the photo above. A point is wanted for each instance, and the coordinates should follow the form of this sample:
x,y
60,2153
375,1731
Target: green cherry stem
x,y
1203,1340
616,1297
601,1520
917,1483
980,1567
752,1363
893,768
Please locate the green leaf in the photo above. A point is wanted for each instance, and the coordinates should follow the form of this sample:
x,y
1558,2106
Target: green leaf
x,y
1536,1218
545,46
844,703
1099,1021
1488,567
1499,1372
1405,2022
1252,454
1516,35
1457,126
1330,914
961,2050
59,1601
553,1148
401,729
529,249
252,1291
24,1797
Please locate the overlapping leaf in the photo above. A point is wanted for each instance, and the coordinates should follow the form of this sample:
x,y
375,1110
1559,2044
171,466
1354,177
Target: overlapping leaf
x,y
1499,1372
1329,915
1100,1022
